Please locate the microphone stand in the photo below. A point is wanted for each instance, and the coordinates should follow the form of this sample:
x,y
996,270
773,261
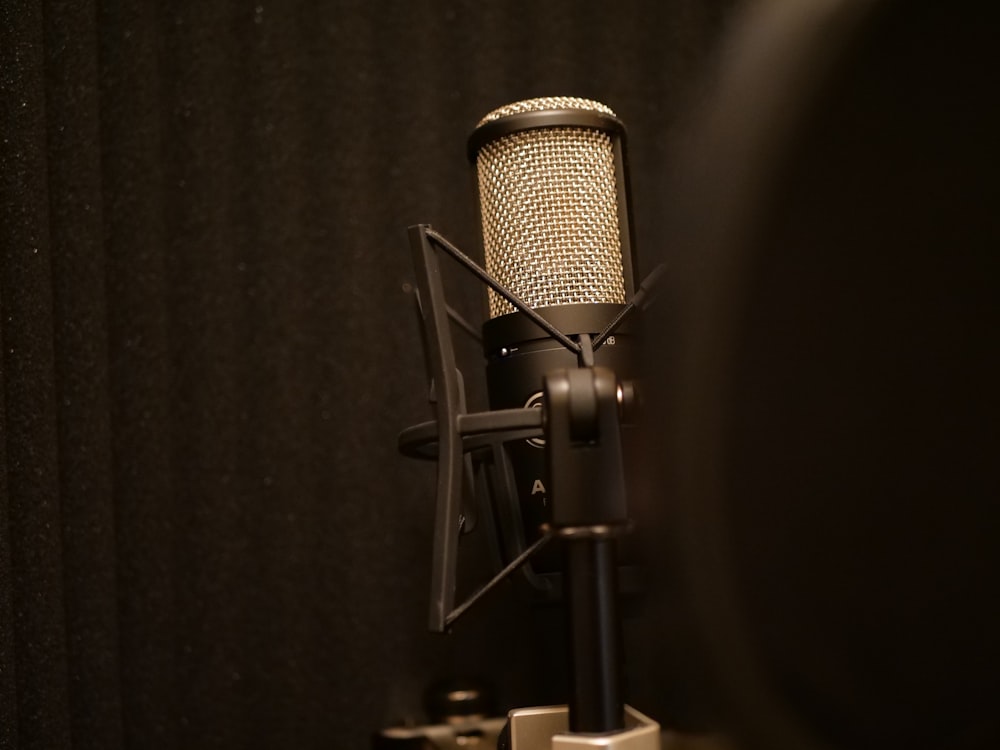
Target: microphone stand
x,y
582,423
582,431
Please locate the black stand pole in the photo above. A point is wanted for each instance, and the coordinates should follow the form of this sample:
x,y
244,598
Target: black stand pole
x,y
583,408
583,441
596,701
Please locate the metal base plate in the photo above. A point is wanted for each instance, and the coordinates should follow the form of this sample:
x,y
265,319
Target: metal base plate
x,y
548,727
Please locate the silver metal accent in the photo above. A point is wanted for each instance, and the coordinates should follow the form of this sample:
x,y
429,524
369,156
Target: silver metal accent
x,y
545,727
549,207
593,531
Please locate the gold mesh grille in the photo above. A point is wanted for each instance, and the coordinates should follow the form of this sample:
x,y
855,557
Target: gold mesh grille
x,y
550,212
545,103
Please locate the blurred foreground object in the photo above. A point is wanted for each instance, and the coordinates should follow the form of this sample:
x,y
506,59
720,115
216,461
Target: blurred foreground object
x,y
823,498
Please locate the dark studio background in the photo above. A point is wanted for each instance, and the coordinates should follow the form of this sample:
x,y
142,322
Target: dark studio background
x,y
209,347
207,537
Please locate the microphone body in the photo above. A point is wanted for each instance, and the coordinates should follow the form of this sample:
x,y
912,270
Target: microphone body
x,y
553,196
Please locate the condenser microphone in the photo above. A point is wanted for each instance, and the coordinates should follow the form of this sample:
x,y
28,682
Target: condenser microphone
x,y
557,232
557,243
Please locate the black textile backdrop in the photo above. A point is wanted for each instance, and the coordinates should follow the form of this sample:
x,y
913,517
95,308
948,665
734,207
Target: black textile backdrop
x,y
207,537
